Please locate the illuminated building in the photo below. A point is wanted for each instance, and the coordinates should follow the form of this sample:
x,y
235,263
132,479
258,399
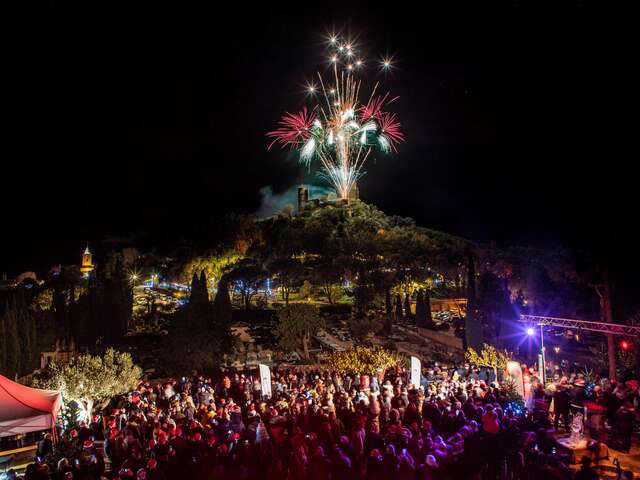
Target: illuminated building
x,y
87,264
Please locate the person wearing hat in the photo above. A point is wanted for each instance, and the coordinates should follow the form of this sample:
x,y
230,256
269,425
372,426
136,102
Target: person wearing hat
x,y
125,473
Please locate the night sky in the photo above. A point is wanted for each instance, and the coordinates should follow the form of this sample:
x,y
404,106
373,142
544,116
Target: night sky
x,y
154,120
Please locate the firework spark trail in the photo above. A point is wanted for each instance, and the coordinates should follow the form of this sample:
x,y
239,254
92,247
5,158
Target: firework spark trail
x,y
294,128
340,131
373,108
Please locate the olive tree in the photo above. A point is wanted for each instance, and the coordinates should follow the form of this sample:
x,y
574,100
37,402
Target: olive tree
x,y
89,380
297,323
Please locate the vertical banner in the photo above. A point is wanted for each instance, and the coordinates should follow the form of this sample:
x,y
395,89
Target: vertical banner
x,y
415,372
515,373
541,368
265,380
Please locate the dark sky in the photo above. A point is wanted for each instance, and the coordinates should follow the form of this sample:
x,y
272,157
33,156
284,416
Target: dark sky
x,y
153,119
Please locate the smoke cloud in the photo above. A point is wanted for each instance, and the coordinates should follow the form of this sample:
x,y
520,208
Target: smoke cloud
x,y
275,203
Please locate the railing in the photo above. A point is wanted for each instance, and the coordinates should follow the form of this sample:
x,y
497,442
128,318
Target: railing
x,y
17,450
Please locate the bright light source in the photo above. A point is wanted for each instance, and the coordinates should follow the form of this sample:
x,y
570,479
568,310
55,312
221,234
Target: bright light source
x,y
334,59
530,331
333,40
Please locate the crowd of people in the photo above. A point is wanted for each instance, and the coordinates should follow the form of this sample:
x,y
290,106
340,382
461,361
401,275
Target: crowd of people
x,y
318,425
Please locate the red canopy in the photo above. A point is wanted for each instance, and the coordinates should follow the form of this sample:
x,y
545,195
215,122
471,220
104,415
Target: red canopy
x,y
24,409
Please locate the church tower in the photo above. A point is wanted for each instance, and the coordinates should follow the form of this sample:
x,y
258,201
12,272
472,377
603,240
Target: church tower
x,y
87,264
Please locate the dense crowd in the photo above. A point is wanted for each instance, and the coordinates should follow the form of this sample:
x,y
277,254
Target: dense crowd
x,y
458,424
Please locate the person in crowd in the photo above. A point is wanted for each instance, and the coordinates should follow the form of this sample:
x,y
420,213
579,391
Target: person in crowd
x,y
45,446
323,425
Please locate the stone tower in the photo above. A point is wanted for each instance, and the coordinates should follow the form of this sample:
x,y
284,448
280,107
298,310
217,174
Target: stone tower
x,y
87,263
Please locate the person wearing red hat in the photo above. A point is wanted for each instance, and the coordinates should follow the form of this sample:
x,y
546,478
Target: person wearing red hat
x,y
126,473
153,472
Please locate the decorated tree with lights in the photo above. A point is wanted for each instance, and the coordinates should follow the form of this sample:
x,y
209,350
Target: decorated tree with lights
x,y
490,357
363,360
90,380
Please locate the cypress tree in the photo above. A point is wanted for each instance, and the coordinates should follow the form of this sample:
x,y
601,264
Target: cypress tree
x,y
204,291
223,311
26,332
472,325
389,311
407,307
398,307
428,319
59,304
420,317
13,344
195,289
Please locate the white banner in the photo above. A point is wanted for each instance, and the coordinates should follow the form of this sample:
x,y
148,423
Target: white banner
x,y
416,369
541,368
265,380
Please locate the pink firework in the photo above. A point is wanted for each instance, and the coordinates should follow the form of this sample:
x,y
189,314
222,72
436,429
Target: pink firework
x,y
390,127
294,128
373,109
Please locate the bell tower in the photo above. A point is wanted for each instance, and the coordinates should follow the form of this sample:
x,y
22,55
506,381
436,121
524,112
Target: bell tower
x,y
87,263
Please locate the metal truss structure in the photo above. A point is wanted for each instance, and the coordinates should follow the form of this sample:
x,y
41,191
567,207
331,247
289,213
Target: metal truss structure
x,y
605,328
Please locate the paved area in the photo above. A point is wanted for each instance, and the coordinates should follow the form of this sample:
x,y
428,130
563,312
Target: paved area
x,y
606,467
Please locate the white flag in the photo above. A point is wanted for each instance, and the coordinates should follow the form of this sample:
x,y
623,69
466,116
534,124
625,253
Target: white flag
x,y
265,380
415,372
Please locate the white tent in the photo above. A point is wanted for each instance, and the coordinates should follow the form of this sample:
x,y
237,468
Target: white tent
x,y
24,409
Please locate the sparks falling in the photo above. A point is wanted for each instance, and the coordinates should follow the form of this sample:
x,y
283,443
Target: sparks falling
x,y
340,131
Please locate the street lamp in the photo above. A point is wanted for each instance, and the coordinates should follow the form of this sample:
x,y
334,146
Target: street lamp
x,y
531,332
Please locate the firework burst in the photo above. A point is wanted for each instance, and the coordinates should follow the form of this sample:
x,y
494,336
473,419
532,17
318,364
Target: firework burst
x,y
294,128
340,131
